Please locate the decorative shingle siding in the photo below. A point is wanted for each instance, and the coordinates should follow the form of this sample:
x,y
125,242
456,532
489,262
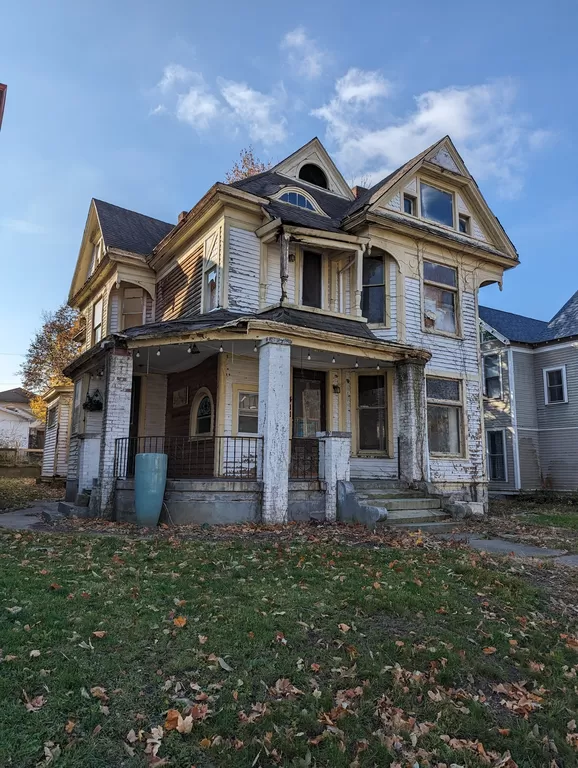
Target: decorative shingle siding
x,y
244,269
179,292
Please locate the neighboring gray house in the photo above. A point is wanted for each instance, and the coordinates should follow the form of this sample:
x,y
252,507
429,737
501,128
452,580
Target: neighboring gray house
x,y
530,371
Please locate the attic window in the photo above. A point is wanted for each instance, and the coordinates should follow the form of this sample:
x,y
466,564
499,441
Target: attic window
x,y
464,224
295,198
314,175
437,205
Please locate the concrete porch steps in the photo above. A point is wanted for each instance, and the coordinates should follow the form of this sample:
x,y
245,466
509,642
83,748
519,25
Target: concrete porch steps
x,y
406,508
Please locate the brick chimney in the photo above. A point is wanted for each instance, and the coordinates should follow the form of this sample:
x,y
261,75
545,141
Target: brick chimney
x,y
182,215
358,191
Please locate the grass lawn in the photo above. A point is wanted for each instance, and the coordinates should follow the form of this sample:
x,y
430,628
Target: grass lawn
x,y
303,650
18,492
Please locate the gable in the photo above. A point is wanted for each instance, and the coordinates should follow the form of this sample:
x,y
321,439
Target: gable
x,y
84,263
315,153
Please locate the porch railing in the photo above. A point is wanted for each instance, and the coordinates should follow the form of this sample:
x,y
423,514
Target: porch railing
x,y
304,464
197,457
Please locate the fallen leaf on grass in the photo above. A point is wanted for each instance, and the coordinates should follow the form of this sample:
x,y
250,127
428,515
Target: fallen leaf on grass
x,y
344,627
9,657
203,639
205,743
34,704
69,727
99,693
52,752
96,730
100,633
179,621
55,586
283,687
489,650
15,609
34,654
223,664
131,736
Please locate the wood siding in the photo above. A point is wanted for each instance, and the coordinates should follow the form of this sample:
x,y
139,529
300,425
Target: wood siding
x,y
273,293
528,443
203,375
244,270
154,405
178,293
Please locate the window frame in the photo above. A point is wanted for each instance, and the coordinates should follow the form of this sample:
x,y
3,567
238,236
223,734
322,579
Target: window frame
x,y
52,417
504,454
413,200
297,191
450,192
124,299
442,286
323,281
100,301
385,322
545,372
200,394
459,405
238,390
468,223
206,294
485,378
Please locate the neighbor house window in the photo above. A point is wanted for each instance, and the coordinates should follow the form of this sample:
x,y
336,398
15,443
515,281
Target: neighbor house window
x,y
97,322
311,282
492,376
409,205
440,297
444,416
51,418
294,198
373,297
437,205
210,289
555,389
248,412
464,224
496,449
132,307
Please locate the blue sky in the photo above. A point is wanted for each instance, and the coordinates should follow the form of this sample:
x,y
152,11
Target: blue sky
x,y
146,104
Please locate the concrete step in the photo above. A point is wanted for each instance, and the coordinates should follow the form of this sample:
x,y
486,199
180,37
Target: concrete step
x,y
405,504
362,483
69,509
394,493
411,516
428,527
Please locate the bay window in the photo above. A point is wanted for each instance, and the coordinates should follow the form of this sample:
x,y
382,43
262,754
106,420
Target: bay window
x,y
444,416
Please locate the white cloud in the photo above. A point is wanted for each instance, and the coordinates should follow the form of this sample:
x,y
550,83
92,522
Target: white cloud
x,y
22,226
258,112
198,106
173,74
304,54
492,134
158,110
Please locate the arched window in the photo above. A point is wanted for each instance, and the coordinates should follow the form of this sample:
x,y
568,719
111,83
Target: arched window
x,y
202,413
314,175
294,198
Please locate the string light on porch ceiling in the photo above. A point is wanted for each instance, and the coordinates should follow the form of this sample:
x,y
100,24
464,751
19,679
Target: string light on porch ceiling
x,y
309,354
193,350
356,363
221,348
378,367
159,352
137,353
333,359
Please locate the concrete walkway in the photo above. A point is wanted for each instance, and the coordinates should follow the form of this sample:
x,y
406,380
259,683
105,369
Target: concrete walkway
x,y
40,517
506,547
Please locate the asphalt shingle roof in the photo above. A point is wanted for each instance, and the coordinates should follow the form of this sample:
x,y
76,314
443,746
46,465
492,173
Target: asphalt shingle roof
x,y
565,322
129,230
17,395
514,327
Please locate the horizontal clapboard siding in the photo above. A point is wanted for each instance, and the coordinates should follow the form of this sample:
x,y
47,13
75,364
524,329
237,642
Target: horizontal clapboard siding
x,y
62,444
244,269
49,449
179,292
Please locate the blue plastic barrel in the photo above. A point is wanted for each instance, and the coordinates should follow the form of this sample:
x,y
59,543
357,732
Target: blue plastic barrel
x,y
150,477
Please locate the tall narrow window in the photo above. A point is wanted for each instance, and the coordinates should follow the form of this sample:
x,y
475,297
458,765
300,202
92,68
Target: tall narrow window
x,y
248,412
97,322
555,389
496,449
492,377
371,413
373,298
132,307
444,416
311,283
440,297
210,296
409,205
437,205
464,224
51,417
202,414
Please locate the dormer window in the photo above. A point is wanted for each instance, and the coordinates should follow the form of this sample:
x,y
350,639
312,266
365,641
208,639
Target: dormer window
x,y
437,205
295,198
314,175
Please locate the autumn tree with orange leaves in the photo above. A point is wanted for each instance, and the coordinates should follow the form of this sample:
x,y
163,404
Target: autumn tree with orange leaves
x,y
247,165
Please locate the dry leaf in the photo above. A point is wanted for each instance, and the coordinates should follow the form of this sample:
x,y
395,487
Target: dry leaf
x,y
96,730
172,719
489,650
205,743
179,621
344,627
100,633
99,693
34,654
69,727
223,664
131,736
203,639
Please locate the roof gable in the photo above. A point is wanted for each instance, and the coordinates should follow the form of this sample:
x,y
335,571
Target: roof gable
x,y
16,395
314,152
565,321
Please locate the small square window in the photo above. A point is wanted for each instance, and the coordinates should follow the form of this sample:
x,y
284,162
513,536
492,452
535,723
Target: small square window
x,y
409,205
555,389
464,224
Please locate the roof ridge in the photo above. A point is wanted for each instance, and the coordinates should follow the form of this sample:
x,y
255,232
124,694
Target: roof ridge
x,y
130,210
514,314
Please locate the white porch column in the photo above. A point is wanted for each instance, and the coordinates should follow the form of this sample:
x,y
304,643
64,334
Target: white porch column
x,y
115,420
412,421
358,280
274,416
334,460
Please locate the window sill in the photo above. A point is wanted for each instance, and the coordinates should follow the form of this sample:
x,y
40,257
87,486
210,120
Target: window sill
x,y
379,326
372,455
445,334
558,402
451,456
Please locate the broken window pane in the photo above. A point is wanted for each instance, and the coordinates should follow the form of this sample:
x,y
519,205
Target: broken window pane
x,y
439,309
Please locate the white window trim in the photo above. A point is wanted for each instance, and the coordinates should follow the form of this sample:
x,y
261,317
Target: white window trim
x,y
199,395
441,188
244,389
505,448
545,372
484,388
451,403
307,196
457,334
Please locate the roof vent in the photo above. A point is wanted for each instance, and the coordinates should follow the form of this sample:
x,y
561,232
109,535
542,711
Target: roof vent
x,y
357,191
182,215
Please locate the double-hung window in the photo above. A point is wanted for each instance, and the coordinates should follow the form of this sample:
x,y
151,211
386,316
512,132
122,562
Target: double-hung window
x,y
210,295
496,450
311,279
444,416
373,297
493,377
97,321
51,417
555,388
132,307
248,413
440,297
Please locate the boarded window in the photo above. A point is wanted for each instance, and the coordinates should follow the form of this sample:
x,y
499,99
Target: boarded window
x,y
311,279
444,416
496,448
132,307
373,298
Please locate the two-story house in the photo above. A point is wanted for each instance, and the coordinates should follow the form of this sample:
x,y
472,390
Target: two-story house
x,y
530,371
287,333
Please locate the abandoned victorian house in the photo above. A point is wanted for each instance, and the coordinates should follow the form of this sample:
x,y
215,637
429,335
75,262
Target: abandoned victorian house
x,y
297,348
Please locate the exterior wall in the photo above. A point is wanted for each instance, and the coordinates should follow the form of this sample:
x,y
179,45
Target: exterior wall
x,y
178,293
244,269
528,443
177,421
238,374
14,430
273,276
498,415
55,457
